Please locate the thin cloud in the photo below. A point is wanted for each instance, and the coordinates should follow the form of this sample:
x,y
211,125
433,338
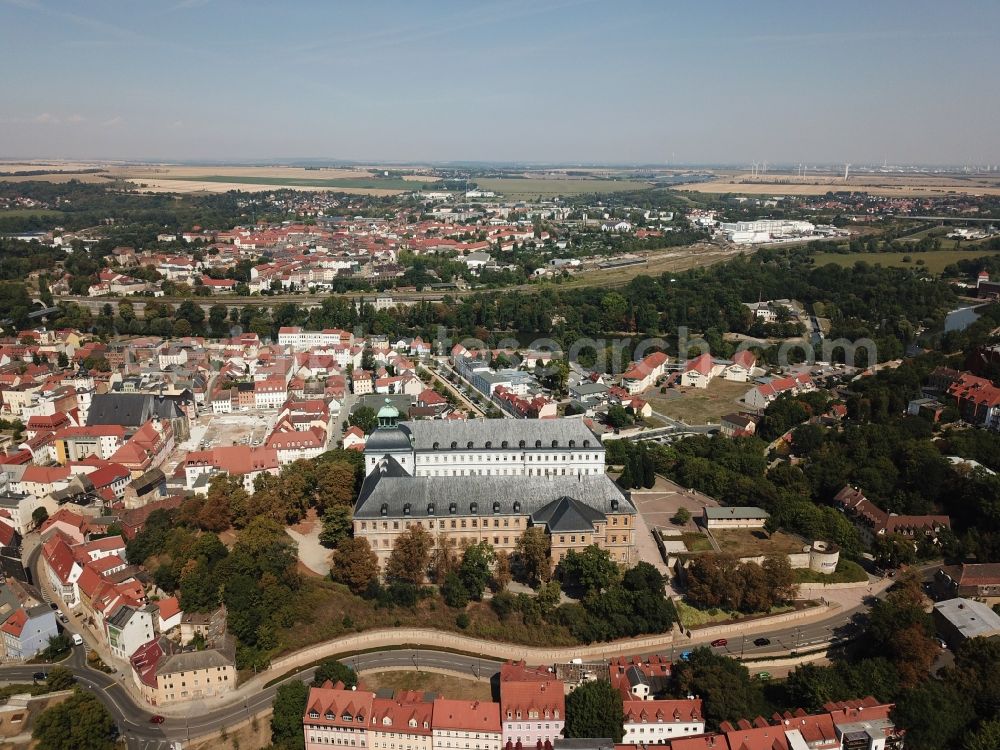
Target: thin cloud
x,y
113,122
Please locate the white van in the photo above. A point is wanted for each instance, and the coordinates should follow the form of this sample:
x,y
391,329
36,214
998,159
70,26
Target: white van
x,y
77,639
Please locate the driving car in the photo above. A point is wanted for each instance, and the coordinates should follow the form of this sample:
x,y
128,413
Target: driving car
x,y
720,642
157,719
762,642
39,676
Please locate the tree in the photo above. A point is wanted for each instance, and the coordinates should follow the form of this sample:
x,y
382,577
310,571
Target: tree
x,y
39,516
533,555
501,572
592,570
477,562
985,737
82,723
286,721
617,417
681,517
723,683
594,709
355,564
410,556
337,523
365,418
780,578
334,671
454,592
60,678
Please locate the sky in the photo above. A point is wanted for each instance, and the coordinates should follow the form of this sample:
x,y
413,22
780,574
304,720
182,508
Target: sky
x,y
552,81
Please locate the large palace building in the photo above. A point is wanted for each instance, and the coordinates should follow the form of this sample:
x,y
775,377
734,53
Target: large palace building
x,y
489,480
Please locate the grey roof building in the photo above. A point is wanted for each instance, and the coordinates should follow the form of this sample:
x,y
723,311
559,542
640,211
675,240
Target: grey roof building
x,y
960,619
490,480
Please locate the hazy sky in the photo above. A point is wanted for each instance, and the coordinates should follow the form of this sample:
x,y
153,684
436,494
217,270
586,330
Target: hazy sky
x,y
530,80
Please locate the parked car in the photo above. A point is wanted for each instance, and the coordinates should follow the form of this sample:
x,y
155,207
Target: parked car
x,y
77,639
762,642
157,719
38,676
718,642
63,618
685,655
53,605
763,676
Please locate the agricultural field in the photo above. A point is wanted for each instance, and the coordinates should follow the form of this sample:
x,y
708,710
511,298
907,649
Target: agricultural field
x,y
933,260
894,185
517,188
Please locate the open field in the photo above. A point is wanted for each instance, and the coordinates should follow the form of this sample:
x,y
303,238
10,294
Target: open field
x,y
754,542
442,684
530,187
895,185
657,262
700,406
934,260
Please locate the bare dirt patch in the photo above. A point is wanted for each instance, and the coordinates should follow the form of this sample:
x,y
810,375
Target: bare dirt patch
x,y
700,405
446,686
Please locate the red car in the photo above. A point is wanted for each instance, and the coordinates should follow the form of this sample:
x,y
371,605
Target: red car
x,y
156,719
719,642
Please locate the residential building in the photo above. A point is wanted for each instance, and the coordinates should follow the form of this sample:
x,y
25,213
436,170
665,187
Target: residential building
x,y
873,521
164,674
644,373
532,711
653,722
27,631
466,725
337,716
970,580
402,722
129,628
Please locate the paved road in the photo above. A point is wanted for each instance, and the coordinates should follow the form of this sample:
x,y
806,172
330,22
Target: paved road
x,y
141,734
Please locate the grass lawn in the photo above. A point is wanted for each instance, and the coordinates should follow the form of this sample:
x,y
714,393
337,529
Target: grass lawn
x,y
696,542
753,542
847,571
934,260
693,617
524,187
700,406
442,684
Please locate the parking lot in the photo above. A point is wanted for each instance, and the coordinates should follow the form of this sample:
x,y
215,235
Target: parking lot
x,y
658,505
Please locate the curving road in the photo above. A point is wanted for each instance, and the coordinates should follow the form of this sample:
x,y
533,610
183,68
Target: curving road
x,y
141,734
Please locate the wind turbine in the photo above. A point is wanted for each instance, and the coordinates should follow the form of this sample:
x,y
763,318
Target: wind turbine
x,y
753,170
847,170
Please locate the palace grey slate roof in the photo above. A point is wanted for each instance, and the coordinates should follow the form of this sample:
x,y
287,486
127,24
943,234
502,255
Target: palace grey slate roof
x,y
567,514
731,513
439,434
406,496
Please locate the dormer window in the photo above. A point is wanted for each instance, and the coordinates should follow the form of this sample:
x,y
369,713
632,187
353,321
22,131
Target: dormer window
x,y
538,443
520,443
489,444
314,714
473,508
406,509
347,717
453,508
430,509
586,443
496,507
386,721
517,506
329,716
454,444
412,722
469,445
436,445
384,510
504,444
